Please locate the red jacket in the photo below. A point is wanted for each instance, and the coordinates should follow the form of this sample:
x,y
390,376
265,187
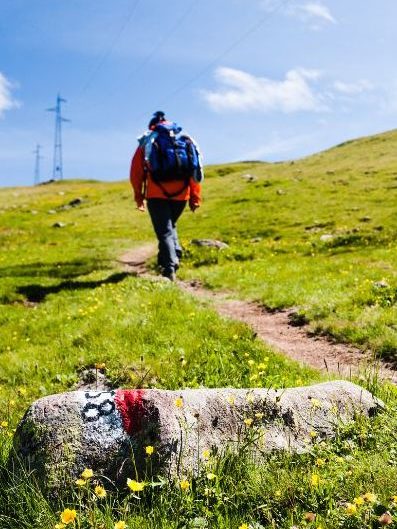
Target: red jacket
x,y
144,186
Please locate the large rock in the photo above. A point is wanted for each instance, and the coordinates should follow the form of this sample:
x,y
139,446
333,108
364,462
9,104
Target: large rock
x,y
210,243
108,431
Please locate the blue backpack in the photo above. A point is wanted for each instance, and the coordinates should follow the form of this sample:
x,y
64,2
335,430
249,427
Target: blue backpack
x,y
171,155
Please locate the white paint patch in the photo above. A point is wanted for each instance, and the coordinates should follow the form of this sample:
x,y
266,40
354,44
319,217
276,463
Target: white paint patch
x,y
102,422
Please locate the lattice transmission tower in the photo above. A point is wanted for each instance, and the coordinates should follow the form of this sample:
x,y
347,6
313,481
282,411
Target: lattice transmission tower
x,y
57,168
37,164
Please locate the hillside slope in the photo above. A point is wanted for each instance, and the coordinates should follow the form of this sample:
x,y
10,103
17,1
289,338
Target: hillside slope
x,y
318,234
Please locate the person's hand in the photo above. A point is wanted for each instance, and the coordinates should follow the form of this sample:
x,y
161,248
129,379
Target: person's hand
x,y
140,204
193,206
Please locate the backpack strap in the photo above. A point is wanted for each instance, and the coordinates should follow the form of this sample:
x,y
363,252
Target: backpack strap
x,y
172,195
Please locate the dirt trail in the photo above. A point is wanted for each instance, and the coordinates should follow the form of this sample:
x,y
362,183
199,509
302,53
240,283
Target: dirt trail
x,y
274,328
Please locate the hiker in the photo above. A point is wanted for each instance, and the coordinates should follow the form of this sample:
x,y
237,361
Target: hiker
x,y
166,171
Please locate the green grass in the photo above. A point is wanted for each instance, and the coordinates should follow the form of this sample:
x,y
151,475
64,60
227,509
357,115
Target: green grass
x,y
318,234
233,489
65,304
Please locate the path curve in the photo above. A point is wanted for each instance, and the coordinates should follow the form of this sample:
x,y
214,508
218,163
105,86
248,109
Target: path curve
x,y
273,328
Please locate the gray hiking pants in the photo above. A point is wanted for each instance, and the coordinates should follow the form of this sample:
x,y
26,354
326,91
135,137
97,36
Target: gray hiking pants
x,y
164,214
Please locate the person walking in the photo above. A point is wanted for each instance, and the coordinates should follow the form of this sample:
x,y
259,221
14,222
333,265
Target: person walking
x,y
166,171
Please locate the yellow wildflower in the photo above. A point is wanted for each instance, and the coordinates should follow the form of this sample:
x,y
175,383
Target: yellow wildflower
x,y
248,422
244,526
277,493
250,362
313,434
320,462
259,416
4,424
184,484
100,365
235,337
80,482
87,473
100,491
68,516
358,501
310,517
22,391
179,402
59,526
315,480
315,403
149,450
206,454
351,509
231,400
369,497
394,499
135,486
211,476
262,366
120,525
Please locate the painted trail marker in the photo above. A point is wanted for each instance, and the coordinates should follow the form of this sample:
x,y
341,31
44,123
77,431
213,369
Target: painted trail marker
x,y
108,431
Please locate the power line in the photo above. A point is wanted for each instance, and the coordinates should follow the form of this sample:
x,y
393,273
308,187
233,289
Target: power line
x,y
109,49
160,43
151,54
227,50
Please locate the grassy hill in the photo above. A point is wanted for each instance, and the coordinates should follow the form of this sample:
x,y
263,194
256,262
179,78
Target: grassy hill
x,y
317,234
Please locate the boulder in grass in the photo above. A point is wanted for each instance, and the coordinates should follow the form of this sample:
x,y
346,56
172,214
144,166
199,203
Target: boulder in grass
x,y
210,243
76,202
108,431
249,177
326,237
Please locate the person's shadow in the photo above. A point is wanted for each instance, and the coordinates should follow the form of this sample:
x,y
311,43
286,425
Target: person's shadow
x,y
67,271
37,293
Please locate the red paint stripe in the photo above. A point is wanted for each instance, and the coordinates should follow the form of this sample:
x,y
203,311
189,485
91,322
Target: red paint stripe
x,y
129,404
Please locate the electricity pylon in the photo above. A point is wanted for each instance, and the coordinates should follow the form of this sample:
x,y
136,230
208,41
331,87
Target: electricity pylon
x,y
57,169
37,164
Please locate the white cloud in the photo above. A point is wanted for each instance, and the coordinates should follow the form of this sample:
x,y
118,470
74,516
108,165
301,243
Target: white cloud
x,y
6,100
278,147
314,13
243,91
358,87
316,10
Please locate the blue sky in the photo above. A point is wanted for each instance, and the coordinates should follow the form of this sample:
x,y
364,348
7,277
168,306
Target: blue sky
x,y
249,79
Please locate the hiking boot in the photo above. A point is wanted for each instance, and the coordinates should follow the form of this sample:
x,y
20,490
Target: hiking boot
x,y
169,274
